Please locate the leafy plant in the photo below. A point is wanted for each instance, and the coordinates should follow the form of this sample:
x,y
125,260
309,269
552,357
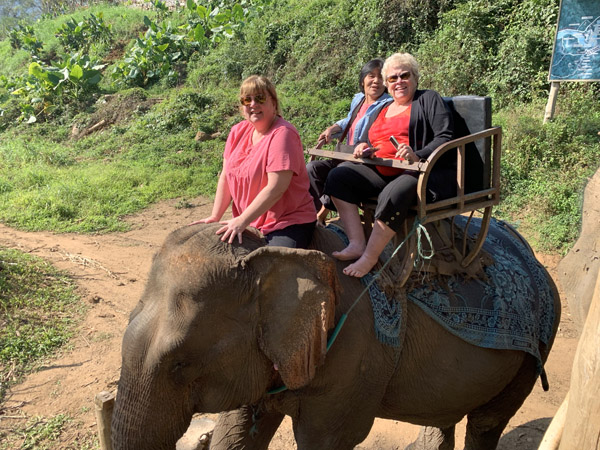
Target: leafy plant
x,y
48,86
23,36
162,10
78,36
155,53
152,56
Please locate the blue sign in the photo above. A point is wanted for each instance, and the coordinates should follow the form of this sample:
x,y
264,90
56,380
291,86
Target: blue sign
x,y
576,54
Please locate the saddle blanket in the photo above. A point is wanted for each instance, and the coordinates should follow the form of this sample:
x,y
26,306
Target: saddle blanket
x,y
513,309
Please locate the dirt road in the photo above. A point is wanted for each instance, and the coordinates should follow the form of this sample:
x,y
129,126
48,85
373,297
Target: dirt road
x,y
111,271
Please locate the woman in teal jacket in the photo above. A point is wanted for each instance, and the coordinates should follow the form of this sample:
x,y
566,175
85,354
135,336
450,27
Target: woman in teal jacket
x,y
364,105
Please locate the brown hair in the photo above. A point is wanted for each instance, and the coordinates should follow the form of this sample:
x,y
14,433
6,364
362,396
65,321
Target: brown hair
x,y
258,84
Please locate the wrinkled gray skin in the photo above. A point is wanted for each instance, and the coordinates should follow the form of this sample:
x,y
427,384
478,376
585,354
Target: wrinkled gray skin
x,y
220,325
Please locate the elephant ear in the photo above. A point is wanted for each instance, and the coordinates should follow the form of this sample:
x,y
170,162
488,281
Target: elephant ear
x,y
297,293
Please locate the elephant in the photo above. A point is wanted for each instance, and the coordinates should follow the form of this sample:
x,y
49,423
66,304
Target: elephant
x,y
243,329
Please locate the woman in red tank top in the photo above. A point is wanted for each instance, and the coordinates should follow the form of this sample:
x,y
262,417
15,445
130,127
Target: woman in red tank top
x,y
419,121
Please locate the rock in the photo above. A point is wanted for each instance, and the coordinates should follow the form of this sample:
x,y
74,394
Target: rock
x,y
202,136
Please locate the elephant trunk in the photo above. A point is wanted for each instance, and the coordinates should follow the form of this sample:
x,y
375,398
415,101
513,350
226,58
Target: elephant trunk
x,y
143,422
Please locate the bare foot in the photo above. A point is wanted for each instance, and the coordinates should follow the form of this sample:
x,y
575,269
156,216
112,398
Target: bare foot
x,y
360,268
353,251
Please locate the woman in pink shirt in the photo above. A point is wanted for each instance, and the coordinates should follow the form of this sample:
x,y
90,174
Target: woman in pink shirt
x,y
264,174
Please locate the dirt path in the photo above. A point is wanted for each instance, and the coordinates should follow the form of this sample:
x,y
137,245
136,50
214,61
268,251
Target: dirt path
x,y
111,271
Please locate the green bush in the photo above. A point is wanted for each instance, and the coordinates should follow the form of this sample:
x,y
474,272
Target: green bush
x,y
79,36
545,167
23,36
47,87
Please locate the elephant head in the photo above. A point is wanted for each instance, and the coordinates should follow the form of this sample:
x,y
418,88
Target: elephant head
x,y
217,326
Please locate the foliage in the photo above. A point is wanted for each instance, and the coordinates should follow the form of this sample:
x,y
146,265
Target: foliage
x,y
38,312
48,86
152,57
14,11
500,48
544,168
78,36
156,52
23,36
191,60
407,22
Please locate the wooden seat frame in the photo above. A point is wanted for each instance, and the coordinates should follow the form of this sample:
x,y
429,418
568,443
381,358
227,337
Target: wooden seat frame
x,y
482,200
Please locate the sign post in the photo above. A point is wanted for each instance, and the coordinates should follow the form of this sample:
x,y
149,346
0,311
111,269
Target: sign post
x,y
576,52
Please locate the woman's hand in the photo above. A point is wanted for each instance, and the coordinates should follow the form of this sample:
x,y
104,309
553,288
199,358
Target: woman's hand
x,y
404,151
325,136
329,131
363,150
232,228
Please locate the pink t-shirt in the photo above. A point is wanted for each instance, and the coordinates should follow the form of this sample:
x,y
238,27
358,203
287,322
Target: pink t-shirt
x,y
247,168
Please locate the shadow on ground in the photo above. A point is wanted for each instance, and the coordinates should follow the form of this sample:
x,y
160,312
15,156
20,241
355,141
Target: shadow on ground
x,y
527,436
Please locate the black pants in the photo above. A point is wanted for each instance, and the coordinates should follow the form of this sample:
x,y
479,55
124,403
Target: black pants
x,y
294,236
355,183
318,170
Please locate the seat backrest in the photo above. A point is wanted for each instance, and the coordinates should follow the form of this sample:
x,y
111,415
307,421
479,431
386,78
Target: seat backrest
x,y
471,114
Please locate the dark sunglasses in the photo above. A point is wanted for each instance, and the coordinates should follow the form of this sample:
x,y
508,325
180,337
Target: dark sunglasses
x,y
393,78
247,100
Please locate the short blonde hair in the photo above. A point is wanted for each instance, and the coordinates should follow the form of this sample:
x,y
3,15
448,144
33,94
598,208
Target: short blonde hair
x,y
258,84
401,59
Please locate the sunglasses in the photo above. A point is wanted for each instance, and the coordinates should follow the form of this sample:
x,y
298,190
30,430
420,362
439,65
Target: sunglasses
x,y
247,100
393,78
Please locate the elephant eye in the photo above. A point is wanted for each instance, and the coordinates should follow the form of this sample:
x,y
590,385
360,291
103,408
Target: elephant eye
x,y
179,366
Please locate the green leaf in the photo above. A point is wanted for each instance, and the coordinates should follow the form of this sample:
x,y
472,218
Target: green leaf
x,y
52,78
147,21
95,79
191,5
162,47
202,11
36,70
199,33
76,72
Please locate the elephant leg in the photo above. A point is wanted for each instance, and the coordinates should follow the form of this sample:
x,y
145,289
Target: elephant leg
x,y
432,438
486,423
248,428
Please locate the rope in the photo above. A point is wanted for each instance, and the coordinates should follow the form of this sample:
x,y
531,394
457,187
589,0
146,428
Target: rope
x,y
416,228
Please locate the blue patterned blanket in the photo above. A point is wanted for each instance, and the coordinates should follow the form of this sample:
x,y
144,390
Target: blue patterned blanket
x,y
513,309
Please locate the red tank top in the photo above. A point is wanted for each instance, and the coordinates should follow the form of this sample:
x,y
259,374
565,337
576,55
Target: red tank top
x,y
380,132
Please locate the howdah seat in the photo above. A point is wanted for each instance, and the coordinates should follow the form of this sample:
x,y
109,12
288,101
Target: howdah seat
x,y
477,146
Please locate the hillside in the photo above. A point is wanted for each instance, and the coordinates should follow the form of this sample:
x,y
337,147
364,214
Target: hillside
x,y
109,108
